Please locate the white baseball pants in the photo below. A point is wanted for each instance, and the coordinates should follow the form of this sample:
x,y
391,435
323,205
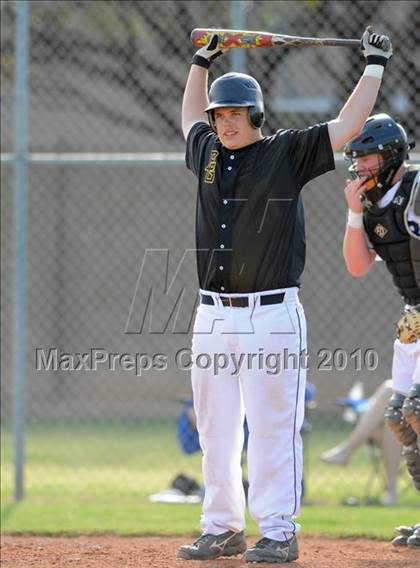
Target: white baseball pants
x,y
405,366
271,396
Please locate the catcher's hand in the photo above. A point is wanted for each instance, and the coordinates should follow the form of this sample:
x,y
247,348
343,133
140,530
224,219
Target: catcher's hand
x,y
408,325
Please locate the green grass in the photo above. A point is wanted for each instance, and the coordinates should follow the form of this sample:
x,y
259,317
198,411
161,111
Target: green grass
x,y
95,478
137,517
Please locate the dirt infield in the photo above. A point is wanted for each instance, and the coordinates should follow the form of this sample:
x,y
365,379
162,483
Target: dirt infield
x,y
159,552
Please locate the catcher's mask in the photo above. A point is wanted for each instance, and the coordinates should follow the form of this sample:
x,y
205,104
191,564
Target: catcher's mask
x,y
383,136
237,90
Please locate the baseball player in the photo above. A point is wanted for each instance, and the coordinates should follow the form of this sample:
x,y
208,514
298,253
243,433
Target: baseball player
x,y
250,255
384,223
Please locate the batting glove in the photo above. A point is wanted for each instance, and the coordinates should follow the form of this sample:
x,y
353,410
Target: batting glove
x,y
207,54
376,48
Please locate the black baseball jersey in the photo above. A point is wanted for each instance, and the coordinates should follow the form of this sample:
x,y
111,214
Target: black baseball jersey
x,y
250,232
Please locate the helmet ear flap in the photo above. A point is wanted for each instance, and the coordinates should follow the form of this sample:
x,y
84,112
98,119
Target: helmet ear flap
x,y
256,117
212,122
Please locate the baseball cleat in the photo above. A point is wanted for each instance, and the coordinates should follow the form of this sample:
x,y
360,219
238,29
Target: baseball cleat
x,y
407,536
404,531
210,546
275,551
399,541
414,539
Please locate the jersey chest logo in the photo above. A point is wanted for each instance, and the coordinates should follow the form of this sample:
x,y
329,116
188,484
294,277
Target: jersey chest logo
x,y
380,230
210,169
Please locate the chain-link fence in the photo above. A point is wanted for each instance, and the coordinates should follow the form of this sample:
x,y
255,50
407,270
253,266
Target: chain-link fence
x,y
104,230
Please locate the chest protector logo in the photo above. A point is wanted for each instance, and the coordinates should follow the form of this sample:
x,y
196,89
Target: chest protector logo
x,y
210,169
380,230
399,200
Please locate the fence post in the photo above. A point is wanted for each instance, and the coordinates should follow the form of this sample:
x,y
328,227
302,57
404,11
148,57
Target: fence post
x,y
237,18
21,167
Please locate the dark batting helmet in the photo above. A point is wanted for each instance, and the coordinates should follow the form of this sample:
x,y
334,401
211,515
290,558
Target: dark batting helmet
x,y
380,135
237,90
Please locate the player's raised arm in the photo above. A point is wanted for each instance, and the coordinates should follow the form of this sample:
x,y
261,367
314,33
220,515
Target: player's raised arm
x,y
377,50
195,95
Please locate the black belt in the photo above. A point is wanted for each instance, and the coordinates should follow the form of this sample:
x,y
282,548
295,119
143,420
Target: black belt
x,y
243,302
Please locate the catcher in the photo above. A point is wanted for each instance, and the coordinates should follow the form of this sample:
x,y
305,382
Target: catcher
x,y
384,221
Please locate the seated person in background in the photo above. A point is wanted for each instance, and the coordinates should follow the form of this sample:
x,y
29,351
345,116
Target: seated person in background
x,y
371,425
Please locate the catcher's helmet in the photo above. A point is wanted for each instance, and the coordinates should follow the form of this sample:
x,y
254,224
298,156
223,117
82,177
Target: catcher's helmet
x,y
237,90
380,135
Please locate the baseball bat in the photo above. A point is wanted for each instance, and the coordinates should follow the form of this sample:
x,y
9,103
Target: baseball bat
x,y
238,38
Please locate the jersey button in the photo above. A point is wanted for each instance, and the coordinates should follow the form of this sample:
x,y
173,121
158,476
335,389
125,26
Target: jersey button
x,y
223,226
229,168
222,246
220,267
225,201
222,288
232,157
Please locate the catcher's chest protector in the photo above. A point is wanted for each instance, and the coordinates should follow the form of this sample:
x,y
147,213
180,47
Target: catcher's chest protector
x,y
388,232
